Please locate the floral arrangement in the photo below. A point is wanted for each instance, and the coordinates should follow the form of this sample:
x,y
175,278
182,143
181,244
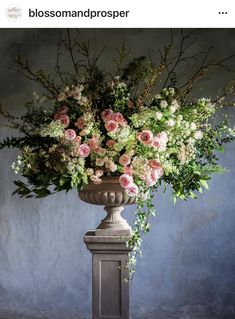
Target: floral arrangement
x,y
89,127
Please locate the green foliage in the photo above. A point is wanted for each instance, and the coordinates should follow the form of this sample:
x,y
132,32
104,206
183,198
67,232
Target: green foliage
x,y
12,142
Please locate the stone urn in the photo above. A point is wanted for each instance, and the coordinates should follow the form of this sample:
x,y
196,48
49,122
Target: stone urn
x,y
113,197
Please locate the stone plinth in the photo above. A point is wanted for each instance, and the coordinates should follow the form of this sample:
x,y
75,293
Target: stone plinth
x,y
109,291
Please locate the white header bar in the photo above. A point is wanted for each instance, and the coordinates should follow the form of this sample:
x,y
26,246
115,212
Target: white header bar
x,y
119,14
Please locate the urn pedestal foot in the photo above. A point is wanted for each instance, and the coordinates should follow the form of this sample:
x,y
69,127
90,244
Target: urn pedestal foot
x,y
113,224
110,293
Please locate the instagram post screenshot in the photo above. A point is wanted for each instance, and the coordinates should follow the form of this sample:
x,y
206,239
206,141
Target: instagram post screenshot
x,y
117,160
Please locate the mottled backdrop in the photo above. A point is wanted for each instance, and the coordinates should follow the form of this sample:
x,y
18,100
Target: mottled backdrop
x,y
188,267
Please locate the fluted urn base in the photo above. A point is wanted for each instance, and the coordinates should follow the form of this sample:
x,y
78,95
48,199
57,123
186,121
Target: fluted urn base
x,y
113,223
111,195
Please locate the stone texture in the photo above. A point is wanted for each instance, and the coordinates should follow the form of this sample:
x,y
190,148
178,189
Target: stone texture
x,y
110,293
187,269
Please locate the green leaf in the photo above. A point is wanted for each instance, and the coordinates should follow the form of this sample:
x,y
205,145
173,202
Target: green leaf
x,y
192,195
204,183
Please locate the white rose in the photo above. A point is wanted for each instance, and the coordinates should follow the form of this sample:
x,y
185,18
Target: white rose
x,y
193,126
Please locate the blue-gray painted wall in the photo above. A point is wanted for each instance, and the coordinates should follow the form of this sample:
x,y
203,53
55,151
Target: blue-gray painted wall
x,y
188,265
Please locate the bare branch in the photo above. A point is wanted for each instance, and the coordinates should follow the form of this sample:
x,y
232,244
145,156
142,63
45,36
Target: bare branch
x,y
71,52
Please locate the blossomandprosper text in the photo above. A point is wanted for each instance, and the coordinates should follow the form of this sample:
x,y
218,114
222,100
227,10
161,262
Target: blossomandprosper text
x,y
90,14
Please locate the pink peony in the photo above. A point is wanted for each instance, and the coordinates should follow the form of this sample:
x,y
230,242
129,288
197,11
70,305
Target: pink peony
x,y
128,170
63,118
132,190
84,150
125,180
110,143
107,115
146,137
93,143
70,134
124,159
80,123
111,126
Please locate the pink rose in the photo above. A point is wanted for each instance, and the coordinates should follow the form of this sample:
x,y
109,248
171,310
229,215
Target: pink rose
x,y
77,139
138,135
96,180
84,150
123,123
163,136
84,132
99,172
80,123
110,143
150,181
154,164
146,137
124,160
63,118
125,180
93,143
157,173
132,190
70,134
160,141
128,170
111,126
101,151
107,115
62,110
118,117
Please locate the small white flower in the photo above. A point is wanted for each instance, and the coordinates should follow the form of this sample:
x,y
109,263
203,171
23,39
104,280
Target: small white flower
x,y
180,117
159,115
173,108
193,126
157,96
171,122
198,135
163,104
